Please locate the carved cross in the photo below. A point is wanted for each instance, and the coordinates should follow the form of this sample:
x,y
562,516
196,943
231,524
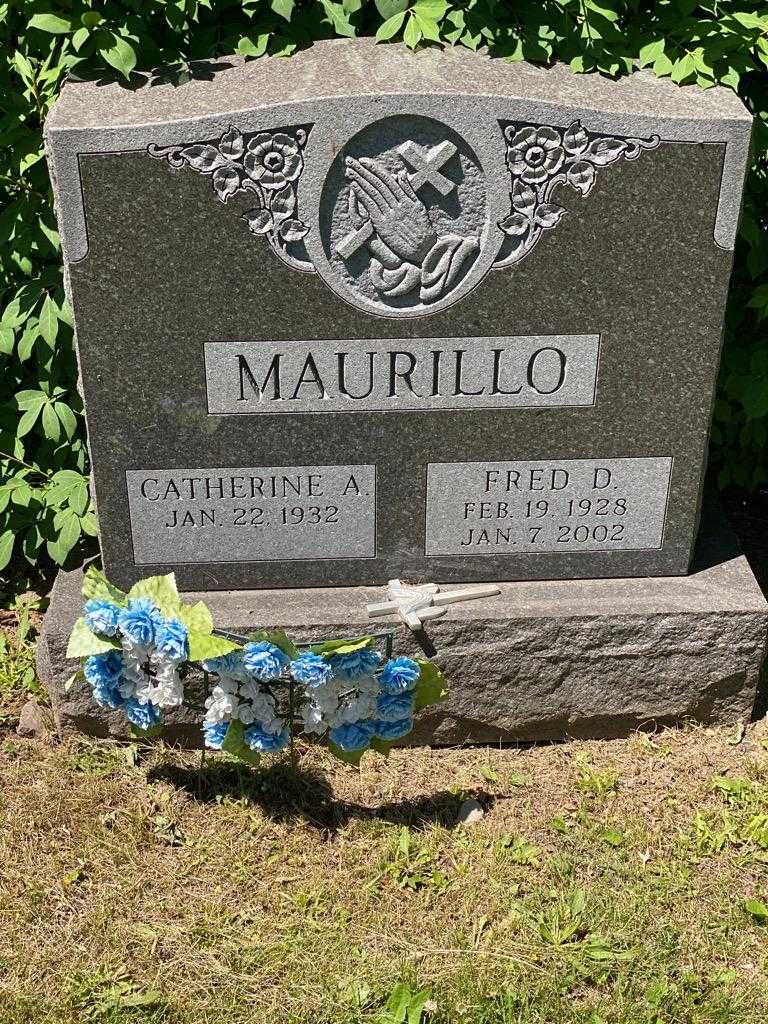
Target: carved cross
x,y
426,164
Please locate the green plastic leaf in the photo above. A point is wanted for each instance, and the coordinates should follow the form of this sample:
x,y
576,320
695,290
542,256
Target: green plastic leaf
x,y
279,638
234,743
331,647
382,747
160,589
430,686
82,642
121,56
347,756
51,23
196,617
146,735
203,646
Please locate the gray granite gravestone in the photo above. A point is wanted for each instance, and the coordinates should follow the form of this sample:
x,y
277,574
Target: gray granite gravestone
x,y
364,314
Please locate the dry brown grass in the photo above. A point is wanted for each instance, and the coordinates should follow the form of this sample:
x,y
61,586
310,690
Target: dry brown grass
x,y
135,888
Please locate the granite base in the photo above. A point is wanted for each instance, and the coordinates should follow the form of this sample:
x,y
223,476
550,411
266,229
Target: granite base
x,y
542,661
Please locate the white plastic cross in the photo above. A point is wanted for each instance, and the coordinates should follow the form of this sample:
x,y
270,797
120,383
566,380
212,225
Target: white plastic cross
x,y
415,604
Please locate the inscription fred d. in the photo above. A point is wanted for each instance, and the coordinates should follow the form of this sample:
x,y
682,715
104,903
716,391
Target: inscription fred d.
x,y
528,507
399,374
225,515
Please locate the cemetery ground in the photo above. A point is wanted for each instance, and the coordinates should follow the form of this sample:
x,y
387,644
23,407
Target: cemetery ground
x,y
621,881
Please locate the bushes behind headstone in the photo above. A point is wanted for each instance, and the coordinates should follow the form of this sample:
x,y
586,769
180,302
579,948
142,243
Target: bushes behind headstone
x,y
45,511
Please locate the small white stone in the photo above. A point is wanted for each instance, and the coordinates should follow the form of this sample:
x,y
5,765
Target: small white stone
x,y
470,813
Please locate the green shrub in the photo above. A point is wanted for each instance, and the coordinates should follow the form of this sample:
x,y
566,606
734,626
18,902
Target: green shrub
x,y
45,513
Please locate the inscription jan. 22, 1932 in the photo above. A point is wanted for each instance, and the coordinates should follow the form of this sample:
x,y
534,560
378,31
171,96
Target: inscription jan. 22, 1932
x,y
568,505
252,515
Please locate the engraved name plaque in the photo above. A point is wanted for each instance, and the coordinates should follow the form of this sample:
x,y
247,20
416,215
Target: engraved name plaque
x,y
252,515
428,373
556,505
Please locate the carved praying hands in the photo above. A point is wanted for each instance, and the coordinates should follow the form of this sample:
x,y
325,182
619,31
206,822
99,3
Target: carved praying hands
x,y
397,214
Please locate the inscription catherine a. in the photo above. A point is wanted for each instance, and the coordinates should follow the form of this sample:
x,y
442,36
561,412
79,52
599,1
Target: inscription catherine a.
x,y
251,515
398,374
570,505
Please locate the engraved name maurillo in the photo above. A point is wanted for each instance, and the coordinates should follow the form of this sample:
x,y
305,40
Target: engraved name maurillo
x,y
429,373
415,259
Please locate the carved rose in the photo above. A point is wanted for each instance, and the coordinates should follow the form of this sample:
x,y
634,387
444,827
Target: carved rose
x,y
535,154
273,160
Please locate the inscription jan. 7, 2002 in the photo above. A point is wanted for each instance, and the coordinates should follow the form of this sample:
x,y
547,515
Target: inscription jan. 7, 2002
x,y
252,515
403,373
490,508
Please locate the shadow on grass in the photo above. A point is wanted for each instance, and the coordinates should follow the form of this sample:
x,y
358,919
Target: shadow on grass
x,y
288,794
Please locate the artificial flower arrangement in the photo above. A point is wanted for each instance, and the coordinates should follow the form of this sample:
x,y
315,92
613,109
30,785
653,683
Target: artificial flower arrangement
x,y
138,648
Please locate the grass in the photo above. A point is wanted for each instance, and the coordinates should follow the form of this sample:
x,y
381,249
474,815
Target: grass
x,y
622,881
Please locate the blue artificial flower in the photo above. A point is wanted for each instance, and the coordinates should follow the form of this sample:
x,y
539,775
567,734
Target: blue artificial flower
x,y
172,638
226,665
393,730
392,707
140,620
108,695
104,669
264,660
399,675
143,716
214,733
311,669
101,616
353,735
357,664
265,742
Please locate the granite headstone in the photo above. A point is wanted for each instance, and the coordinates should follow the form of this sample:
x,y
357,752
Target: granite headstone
x,y
363,314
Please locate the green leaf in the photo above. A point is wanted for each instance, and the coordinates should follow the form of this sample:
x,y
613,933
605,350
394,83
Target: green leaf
x,y
279,638
757,910
121,56
390,27
7,539
196,617
147,735
234,743
160,589
434,10
412,34
67,418
203,646
283,8
82,642
650,52
427,26
51,424
430,686
389,8
348,756
51,23
97,586
330,647
7,339
246,47
49,321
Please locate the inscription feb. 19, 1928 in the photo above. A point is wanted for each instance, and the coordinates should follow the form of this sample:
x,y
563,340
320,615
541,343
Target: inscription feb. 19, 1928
x,y
569,505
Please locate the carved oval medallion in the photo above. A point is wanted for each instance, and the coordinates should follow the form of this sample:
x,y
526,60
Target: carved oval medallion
x,y
403,215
